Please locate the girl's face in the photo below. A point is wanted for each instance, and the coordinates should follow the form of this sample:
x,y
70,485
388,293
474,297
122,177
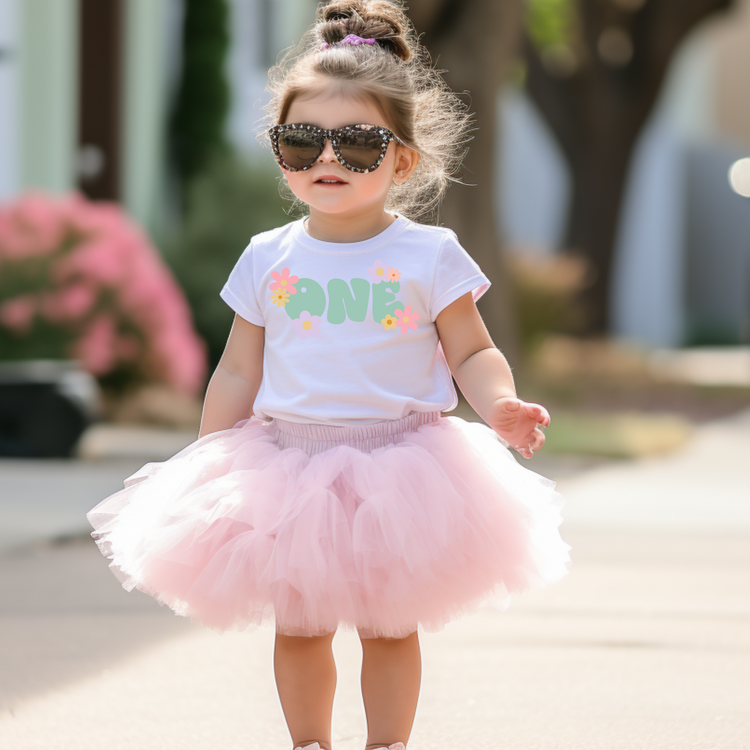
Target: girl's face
x,y
354,192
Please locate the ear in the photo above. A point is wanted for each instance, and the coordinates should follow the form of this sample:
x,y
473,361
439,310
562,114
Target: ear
x,y
406,162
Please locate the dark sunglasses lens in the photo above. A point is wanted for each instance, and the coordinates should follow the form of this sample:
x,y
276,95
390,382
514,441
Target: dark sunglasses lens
x,y
360,149
299,148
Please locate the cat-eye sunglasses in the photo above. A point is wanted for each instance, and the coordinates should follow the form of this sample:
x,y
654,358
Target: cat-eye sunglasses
x,y
359,148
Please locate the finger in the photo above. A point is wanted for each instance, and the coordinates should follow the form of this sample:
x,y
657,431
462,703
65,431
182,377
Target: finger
x,y
538,413
524,450
541,414
527,450
533,441
538,440
533,433
544,417
512,404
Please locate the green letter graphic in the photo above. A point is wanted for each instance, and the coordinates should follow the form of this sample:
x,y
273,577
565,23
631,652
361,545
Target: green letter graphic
x,y
310,296
383,296
339,295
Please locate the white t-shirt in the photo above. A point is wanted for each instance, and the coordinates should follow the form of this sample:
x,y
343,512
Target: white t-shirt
x,y
350,333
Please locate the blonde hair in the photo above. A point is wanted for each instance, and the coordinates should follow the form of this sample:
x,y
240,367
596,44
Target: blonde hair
x,y
396,73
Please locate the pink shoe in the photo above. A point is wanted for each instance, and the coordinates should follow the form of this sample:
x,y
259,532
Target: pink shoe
x,y
395,746
314,746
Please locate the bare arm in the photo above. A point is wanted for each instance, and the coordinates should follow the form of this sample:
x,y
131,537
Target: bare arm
x,y
485,378
235,383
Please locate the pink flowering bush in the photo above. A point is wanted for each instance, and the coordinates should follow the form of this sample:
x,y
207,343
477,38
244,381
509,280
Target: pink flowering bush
x,y
79,280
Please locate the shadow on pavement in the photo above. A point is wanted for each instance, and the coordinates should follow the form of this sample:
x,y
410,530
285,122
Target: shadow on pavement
x,y
63,616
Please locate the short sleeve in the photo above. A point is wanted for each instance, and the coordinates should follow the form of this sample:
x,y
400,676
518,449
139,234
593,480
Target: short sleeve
x,y
239,290
456,274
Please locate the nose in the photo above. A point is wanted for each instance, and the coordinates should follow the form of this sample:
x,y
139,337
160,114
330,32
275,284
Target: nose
x,y
327,154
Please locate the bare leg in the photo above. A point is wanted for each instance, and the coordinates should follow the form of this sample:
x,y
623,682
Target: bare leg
x,y
306,681
391,677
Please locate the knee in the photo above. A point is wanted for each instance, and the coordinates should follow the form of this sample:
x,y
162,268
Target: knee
x,y
373,642
303,642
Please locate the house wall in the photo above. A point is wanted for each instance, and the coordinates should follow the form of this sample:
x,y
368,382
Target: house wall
x,y
261,29
533,178
9,94
48,120
151,29
39,57
717,282
648,303
717,247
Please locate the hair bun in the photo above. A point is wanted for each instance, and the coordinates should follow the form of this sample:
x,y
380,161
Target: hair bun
x,y
382,20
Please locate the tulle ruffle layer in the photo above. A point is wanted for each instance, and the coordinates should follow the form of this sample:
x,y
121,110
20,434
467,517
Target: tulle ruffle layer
x,y
234,531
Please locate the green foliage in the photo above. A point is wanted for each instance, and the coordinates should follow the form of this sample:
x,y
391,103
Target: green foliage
x,y
231,201
203,100
712,333
550,22
616,435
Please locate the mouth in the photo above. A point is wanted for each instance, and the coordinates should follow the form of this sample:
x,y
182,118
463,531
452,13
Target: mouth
x,y
329,179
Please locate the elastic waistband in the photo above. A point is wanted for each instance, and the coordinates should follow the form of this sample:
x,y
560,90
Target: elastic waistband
x,y
316,437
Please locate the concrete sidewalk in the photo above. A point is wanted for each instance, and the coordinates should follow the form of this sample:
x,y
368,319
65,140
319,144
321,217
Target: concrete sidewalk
x,y
644,645
44,499
703,487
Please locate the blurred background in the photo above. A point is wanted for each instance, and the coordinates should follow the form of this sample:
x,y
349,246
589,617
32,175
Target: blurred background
x,y
607,196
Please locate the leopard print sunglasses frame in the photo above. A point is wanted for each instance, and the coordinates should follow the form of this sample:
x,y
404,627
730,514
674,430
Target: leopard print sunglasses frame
x,y
335,135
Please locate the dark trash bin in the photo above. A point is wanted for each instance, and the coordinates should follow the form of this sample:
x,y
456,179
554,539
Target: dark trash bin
x,y
45,406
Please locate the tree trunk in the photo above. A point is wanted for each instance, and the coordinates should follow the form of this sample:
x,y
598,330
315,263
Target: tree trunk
x,y
592,226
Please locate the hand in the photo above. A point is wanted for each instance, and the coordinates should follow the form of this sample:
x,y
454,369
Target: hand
x,y
519,423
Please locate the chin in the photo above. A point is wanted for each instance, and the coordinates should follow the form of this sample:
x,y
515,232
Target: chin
x,y
333,208
333,205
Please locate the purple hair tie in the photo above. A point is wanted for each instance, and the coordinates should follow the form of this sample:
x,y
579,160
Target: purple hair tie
x,y
350,39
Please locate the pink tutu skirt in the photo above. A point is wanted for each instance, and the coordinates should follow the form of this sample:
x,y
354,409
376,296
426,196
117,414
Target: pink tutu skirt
x,y
382,527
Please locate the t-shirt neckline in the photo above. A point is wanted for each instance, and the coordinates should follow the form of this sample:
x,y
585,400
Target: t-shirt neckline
x,y
350,248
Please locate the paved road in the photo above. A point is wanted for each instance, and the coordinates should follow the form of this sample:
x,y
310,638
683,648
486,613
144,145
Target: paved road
x,y
645,644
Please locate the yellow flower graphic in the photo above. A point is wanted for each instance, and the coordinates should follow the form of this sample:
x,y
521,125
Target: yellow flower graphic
x,y
280,297
390,323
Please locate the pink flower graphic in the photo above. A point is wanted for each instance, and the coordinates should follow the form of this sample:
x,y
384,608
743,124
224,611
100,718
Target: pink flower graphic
x,y
307,325
377,272
406,319
283,282
393,274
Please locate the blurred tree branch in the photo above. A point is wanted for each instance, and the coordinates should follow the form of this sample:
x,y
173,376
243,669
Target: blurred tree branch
x,y
595,69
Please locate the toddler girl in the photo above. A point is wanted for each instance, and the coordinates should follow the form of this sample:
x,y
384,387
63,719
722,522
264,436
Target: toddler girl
x,y
327,488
